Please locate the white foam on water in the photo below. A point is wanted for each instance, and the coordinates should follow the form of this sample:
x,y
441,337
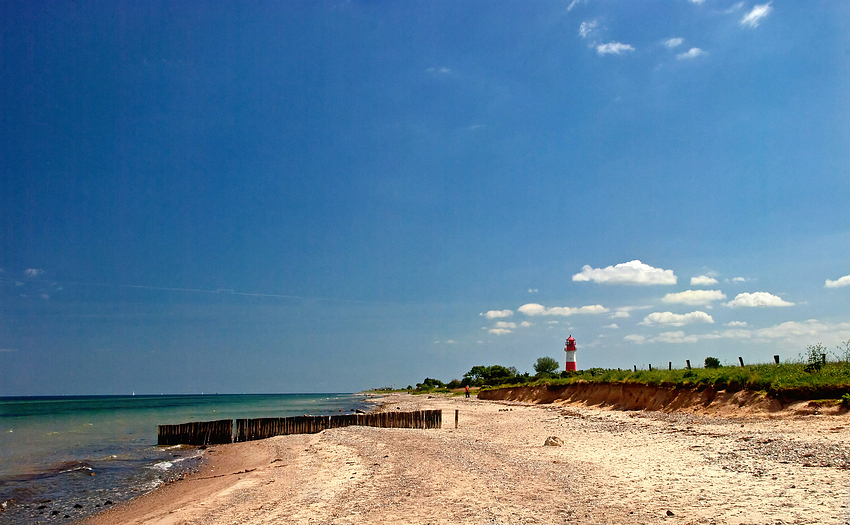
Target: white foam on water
x,y
162,465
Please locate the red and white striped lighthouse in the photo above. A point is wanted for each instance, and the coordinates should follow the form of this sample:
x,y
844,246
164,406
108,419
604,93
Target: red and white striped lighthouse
x,y
570,349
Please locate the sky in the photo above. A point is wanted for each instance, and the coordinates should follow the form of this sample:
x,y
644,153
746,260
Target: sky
x,y
331,196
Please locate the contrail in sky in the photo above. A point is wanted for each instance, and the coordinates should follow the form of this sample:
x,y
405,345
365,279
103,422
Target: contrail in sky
x,y
188,290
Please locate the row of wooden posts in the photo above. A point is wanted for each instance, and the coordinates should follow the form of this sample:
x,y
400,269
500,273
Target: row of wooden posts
x,y
740,361
221,431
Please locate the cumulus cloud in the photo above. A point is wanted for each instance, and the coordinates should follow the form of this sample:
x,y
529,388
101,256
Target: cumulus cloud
x,y
691,53
532,290
671,319
736,324
632,272
33,272
673,42
843,281
694,297
612,326
750,300
703,280
756,14
807,331
496,314
499,331
613,48
439,70
503,324
538,309
587,28
525,324
680,337
739,279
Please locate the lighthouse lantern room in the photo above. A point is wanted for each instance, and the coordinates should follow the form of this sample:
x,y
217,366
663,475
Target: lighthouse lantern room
x,y
570,349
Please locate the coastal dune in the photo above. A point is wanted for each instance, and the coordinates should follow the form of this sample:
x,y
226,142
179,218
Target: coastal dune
x,y
611,467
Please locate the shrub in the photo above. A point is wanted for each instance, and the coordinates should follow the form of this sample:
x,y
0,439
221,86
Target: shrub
x,y
845,400
712,362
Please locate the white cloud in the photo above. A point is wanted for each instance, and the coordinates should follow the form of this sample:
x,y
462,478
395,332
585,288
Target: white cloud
x,y
734,8
532,290
451,342
736,324
807,332
749,300
671,319
499,331
634,338
620,314
694,297
496,314
525,324
697,1
503,324
632,272
673,42
613,48
439,70
33,272
573,4
692,53
539,309
703,280
612,326
843,281
739,279
754,17
587,28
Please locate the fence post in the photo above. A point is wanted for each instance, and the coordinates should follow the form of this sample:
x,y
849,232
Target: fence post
x,y
669,365
776,359
688,361
635,368
455,418
650,367
741,360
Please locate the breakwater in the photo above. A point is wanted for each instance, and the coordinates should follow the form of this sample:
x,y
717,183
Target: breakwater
x,y
221,431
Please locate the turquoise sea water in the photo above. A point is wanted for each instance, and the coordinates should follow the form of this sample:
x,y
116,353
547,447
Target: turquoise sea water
x,y
62,458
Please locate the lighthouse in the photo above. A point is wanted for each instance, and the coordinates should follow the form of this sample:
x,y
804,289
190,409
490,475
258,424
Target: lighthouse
x,y
570,349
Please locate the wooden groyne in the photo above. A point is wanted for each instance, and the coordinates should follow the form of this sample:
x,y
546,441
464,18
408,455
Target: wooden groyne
x,y
197,433
214,432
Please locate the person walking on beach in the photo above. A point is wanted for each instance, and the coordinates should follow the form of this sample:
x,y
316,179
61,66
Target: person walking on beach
x,y
467,390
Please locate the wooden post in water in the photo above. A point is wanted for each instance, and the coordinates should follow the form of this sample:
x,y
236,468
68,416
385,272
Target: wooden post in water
x,y
741,360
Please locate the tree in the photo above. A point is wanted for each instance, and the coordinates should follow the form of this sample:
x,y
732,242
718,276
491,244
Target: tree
x,y
546,365
712,362
491,376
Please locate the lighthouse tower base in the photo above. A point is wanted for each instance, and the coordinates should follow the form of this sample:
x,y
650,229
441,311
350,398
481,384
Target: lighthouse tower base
x,y
570,365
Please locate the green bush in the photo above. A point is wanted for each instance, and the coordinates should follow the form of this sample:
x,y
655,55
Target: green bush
x,y
712,362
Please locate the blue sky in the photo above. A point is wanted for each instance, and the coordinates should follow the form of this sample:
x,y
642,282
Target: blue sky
x,y
333,196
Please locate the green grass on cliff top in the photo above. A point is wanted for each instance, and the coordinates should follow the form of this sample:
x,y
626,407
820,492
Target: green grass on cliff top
x,y
791,381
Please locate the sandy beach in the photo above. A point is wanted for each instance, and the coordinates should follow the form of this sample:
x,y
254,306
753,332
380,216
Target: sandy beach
x,y
613,467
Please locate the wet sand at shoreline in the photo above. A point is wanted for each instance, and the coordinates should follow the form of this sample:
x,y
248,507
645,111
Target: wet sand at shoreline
x,y
613,467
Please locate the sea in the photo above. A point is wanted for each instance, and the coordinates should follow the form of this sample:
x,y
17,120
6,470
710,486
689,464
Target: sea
x,y
64,458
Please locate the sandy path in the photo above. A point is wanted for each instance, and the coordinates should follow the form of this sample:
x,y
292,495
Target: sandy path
x,y
615,467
